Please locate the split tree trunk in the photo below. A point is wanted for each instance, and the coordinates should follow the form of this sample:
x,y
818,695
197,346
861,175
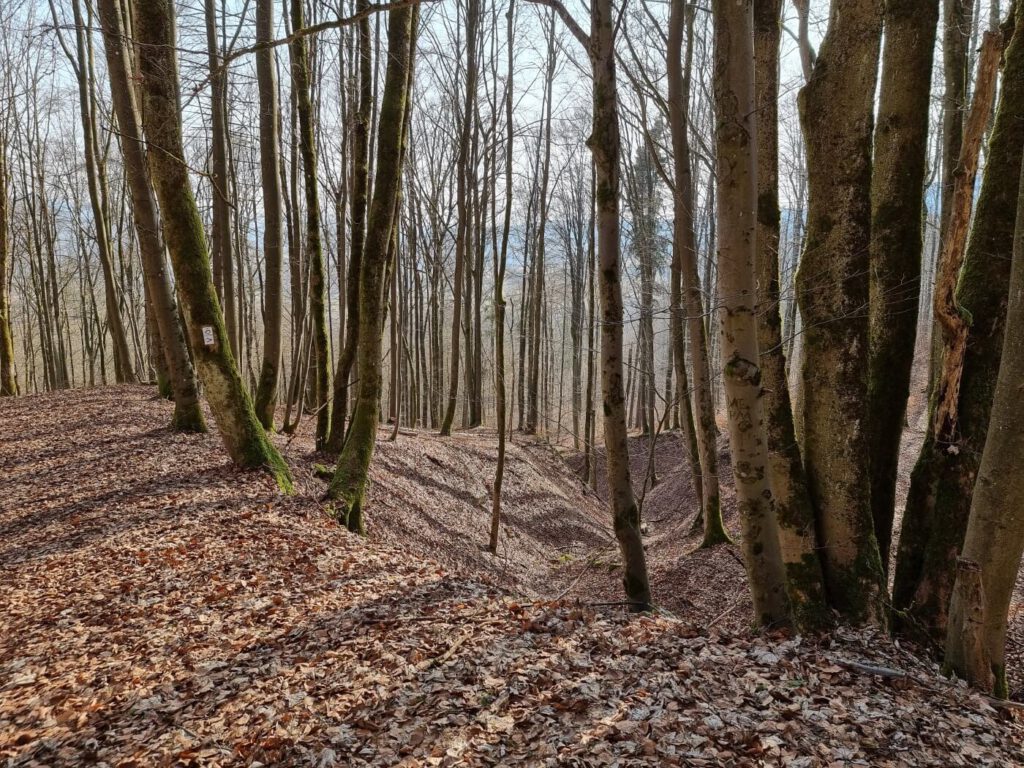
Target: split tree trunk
x,y
995,530
793,510
736,154
836,111
943,480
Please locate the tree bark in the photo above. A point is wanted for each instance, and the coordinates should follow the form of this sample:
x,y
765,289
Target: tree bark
x,y
273,244
8,385
349,482
836,111
995,530
897,242
243,437
606,146
188,415
686,287
736,154
793,510
943,480
314,246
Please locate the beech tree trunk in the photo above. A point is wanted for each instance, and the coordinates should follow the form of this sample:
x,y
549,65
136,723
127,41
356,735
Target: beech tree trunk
x,y
314,248
243,437
360,190
836,111
897,241
273,245
82,65
793,510
995,529
188,415
349,481
943,480
500,261
8,384
606,146
686,285
220,236
736,154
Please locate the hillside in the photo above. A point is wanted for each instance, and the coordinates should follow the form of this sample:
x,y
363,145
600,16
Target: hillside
x,y
158,607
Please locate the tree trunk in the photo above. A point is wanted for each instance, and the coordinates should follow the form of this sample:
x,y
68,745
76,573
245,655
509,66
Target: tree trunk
x,y
943,480
793,510
897,241
463,229
500,260
686,279
606,146
349,482
188,415
314,247
736,153
360,189
836,111
244,438
273,245
220,240
123,369
8,385
995,530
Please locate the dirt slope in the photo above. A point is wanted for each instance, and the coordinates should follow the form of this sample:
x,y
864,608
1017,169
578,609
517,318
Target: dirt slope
x,y
159,608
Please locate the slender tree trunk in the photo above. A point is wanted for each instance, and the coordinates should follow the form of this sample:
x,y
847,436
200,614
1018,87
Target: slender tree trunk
x,y
188,415
736,153
836,111
244,438
360,190
8,384
686,279
220,239
349,482
533,417
500,260
314,247
606,146
793,510
123,369
462,236
995,530
897,241
273,244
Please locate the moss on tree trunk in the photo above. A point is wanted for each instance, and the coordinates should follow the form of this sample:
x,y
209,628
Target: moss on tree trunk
x,y
793,511
177,371
349,483
245,440
943,480
836,111
897,241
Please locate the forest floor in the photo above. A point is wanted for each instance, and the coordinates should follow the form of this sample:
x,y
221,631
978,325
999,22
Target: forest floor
x,y
160,608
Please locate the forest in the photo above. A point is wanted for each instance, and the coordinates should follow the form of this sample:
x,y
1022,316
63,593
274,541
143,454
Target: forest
x,y
511,382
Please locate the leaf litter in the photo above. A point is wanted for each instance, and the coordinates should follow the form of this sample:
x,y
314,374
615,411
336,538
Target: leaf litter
x,y
160,608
